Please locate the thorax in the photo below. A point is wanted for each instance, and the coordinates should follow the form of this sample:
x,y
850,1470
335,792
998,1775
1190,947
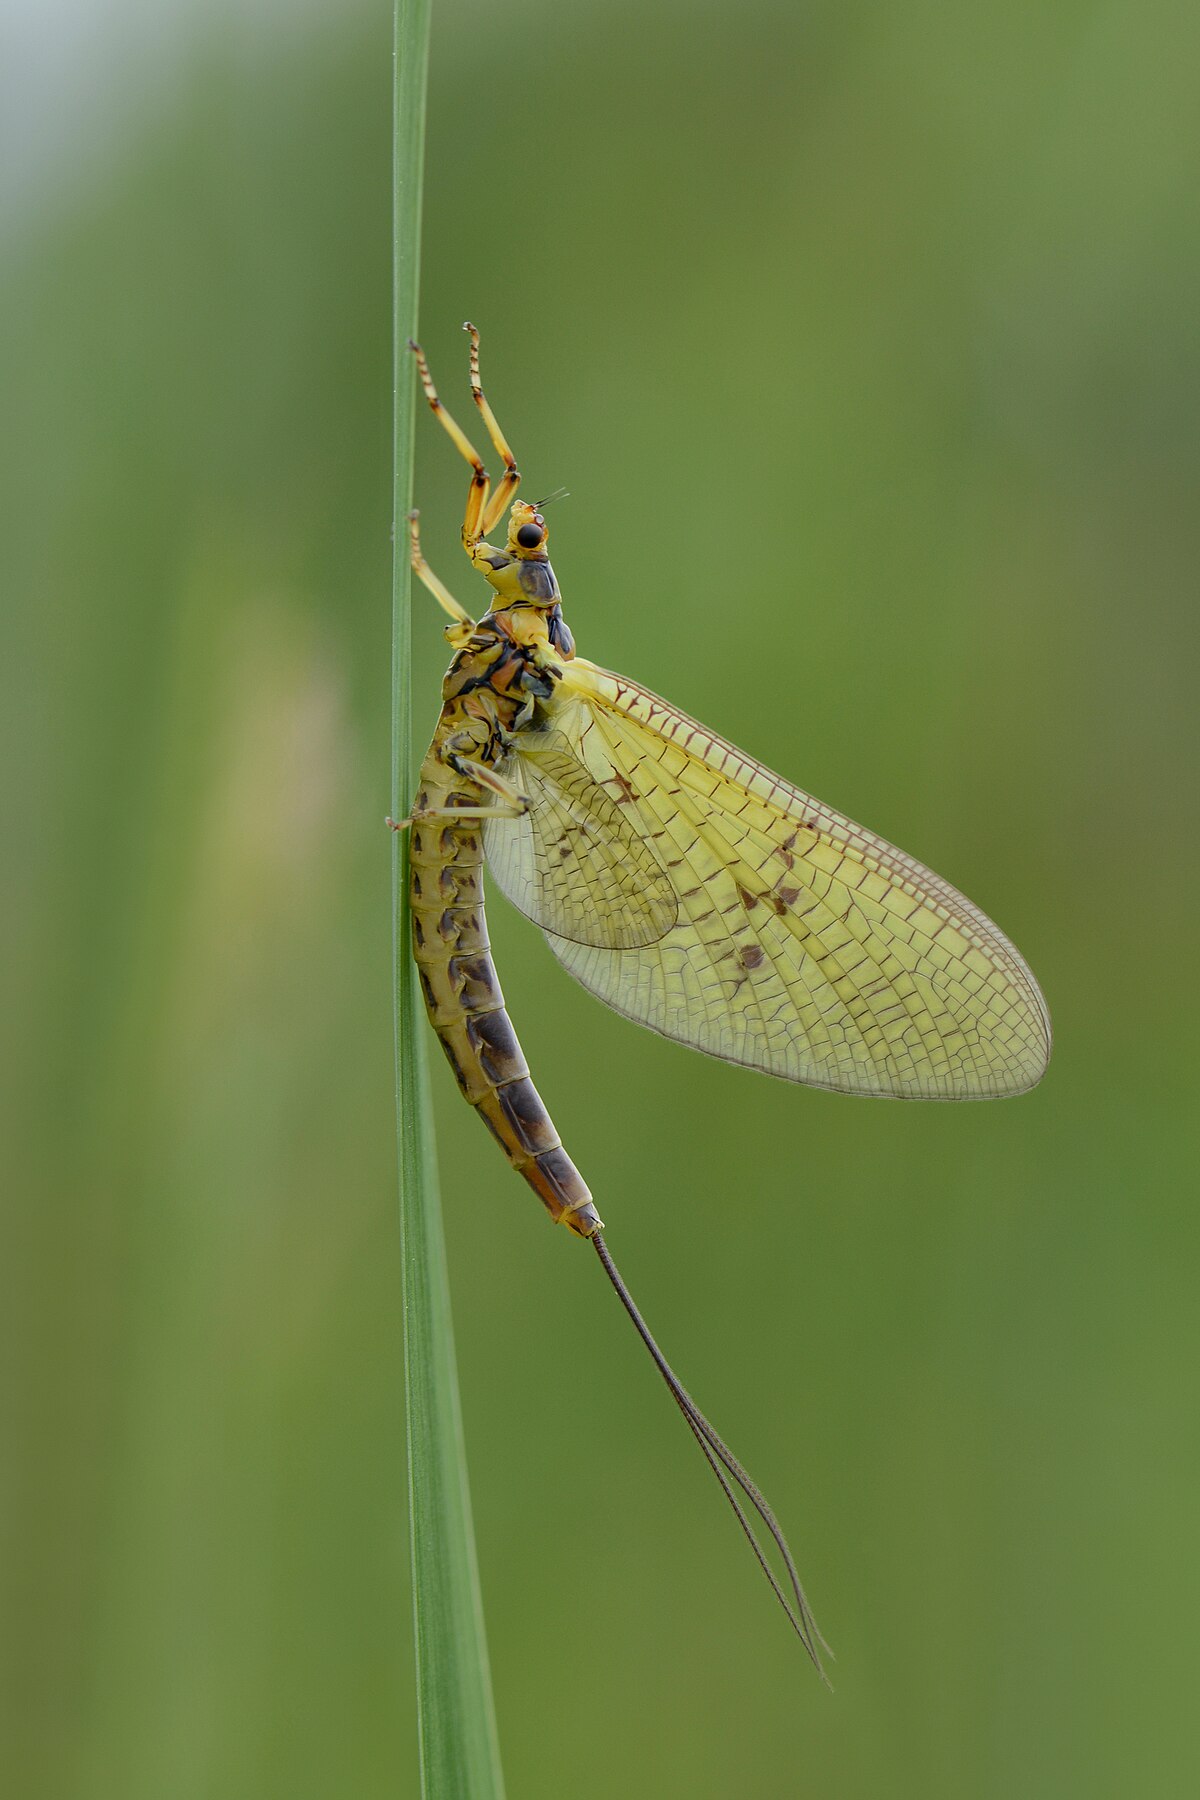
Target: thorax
x,y
499,679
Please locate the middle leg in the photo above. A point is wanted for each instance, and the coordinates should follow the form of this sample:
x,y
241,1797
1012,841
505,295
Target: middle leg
x,y
436,586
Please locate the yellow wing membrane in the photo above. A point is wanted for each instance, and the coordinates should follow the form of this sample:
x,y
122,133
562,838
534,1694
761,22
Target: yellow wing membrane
x,y
572,863
793,940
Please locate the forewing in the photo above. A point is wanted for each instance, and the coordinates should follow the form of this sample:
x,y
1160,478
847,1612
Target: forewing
x,y
804,945
576,863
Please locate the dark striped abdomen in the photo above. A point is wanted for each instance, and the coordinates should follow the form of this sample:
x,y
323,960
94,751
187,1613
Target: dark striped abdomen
x,y
466,1009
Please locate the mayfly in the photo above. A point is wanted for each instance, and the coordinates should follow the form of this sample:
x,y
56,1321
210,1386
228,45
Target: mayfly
x,y
684,885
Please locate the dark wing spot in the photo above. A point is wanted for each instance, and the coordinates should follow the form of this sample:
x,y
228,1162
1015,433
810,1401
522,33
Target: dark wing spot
x,y
748,900
625,789
752,956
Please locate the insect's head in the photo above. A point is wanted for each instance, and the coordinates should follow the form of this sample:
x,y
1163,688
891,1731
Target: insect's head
x,y
527,532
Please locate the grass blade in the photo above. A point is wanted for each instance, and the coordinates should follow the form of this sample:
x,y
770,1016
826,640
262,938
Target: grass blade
x,y
459,1751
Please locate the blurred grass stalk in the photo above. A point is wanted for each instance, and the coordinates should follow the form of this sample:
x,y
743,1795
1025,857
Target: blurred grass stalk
x,y
460,1758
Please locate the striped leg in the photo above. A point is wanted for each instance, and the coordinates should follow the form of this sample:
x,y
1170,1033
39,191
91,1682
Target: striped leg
x,y
495,509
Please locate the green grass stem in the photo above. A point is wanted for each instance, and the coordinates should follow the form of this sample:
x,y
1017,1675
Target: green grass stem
x,y
459,1751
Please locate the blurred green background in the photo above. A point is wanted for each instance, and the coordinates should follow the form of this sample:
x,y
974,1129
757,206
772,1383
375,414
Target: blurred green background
x,y
872,331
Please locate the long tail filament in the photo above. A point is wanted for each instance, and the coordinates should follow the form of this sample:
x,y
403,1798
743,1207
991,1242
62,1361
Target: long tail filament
x,y
723,1464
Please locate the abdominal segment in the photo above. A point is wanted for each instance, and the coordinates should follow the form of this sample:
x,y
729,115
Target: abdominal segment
x,y
466,1009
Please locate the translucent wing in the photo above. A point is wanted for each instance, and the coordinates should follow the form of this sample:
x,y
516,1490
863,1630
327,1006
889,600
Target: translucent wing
x,y
574,863
802,944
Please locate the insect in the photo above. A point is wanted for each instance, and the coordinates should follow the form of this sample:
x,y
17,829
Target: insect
x,y
685,886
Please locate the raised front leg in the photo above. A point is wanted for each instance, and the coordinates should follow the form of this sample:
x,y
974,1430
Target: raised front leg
x,y
494,511
484,509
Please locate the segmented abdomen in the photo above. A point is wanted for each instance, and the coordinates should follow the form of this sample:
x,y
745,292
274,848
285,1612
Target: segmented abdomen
x,y
466,1009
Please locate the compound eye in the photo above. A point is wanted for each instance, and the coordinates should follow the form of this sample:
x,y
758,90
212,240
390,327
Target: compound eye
x,y
530,536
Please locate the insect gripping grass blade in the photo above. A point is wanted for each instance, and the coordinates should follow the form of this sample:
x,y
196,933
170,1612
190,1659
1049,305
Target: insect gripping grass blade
x,y
684,885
